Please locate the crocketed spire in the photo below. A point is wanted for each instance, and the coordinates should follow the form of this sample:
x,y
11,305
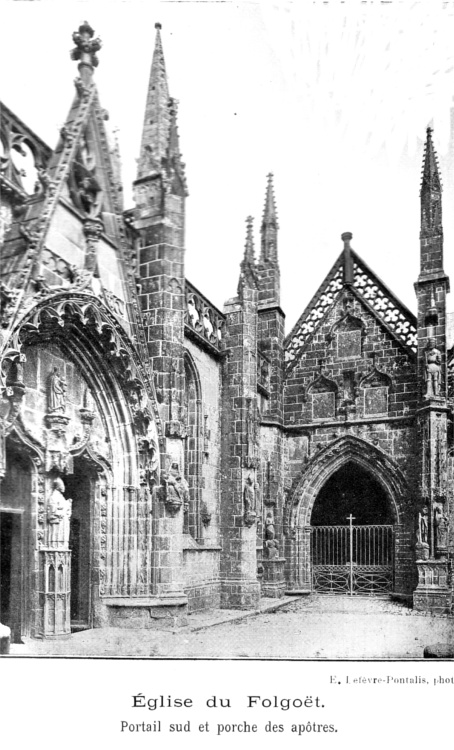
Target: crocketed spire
x,y
269,224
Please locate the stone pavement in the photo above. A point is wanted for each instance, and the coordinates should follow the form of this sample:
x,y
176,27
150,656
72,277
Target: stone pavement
x,y
313,627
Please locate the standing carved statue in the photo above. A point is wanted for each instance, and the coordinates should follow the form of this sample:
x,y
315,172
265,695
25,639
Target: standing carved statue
x,y
56,396
58,516
441,529
423,525
249,495
269,527
176,489
272,549
433,369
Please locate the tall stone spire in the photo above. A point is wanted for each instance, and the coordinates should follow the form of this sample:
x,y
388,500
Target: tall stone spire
x,y
431,217
433,591
268,266
269,224
247,268
160,150
158,116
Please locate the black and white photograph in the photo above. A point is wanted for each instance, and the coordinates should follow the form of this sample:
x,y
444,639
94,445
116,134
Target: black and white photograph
x,y
227,339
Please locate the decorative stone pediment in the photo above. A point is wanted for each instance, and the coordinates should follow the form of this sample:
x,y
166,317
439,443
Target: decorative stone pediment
x,y
348,333
323,392
375,379
376,386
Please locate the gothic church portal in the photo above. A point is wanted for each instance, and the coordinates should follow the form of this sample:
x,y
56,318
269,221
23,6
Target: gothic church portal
x,y
159,456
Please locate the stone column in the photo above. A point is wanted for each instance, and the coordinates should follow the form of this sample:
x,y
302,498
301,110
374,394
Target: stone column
x,y
239,585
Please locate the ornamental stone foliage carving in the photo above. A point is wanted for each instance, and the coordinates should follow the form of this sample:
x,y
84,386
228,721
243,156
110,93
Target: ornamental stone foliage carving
x,y
86,46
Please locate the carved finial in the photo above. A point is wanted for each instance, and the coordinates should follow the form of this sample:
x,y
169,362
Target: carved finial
x,y
348,262
430,173
346,237
248,269
85,50
269,224
249,246
269,210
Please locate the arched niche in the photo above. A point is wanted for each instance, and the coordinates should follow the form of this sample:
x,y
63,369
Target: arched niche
x,y
193,447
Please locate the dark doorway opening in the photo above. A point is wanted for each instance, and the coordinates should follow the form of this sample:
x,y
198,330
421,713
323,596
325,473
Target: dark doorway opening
x,y
352,538
353,490
11,572
79,488
16,544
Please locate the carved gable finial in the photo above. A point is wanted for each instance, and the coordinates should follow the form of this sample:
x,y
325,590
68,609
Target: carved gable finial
x,y
346,237
85,50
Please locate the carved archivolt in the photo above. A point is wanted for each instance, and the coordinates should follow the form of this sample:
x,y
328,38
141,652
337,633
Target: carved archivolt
x,y
325,463
67,312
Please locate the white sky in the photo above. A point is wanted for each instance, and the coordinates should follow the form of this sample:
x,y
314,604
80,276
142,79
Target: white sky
x,y
334,98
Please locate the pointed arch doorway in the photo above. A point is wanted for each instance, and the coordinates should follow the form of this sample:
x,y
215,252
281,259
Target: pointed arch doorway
x,y
352,534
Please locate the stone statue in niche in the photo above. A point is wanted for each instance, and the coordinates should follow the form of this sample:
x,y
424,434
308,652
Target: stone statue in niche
x,y
249,500
58,516
269,527
272,550
423,525
433,369
176,490
441,529
86,189
249,495
271,546
56,394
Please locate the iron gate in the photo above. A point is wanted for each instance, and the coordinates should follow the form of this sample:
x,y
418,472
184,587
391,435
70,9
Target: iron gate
x,y
358,560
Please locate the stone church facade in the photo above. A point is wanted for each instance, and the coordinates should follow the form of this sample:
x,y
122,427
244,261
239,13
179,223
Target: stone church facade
x,y
159,456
